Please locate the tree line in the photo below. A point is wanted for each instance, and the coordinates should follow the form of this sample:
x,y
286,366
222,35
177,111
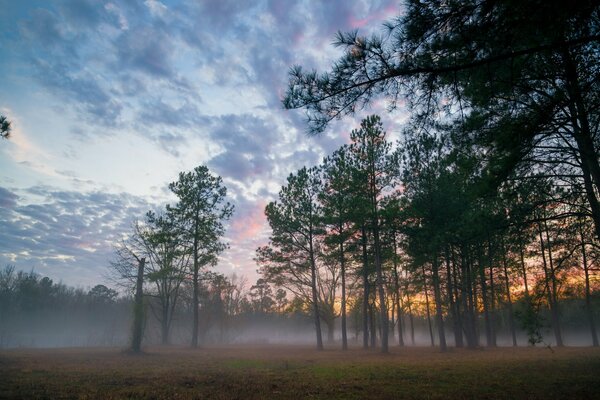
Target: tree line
x,y
35,311
490,198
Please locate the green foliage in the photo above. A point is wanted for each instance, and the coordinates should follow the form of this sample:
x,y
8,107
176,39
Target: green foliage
x,y
200,213
295,221
531,321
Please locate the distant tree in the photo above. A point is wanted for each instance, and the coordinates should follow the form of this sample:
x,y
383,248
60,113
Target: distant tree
x,y
281,300
201,211
8,285
262,296
36,311
103,294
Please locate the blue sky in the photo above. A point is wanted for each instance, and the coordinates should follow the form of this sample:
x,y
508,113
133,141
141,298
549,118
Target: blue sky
x,y
111,99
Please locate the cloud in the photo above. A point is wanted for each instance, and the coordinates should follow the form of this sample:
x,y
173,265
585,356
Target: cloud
x,y
200,82
157,9
7,198
65,231
94,103
116,62
43,28
83,13
111,8
146,49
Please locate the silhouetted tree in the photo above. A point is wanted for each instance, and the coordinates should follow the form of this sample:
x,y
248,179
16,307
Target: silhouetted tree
x,y
290,259
200,211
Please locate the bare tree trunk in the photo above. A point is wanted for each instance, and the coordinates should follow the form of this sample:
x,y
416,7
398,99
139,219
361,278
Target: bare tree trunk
x,y
547,279
195,295
410,319
313,276
365,305
467,299
472,292
588,302
397,297
373,322
138,309
330,329
452,304
380,285
524,270
343,272
438,303
492,295
511,319
165,324
427,306
392,321
484,299
555,311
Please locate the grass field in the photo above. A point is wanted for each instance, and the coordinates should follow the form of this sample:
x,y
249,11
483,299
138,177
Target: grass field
x,y
294,372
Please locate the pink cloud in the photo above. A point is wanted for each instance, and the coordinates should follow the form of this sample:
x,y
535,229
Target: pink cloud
x,y
251,225
381,15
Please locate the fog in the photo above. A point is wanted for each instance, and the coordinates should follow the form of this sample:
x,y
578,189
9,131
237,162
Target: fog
x,y
36,312
85,325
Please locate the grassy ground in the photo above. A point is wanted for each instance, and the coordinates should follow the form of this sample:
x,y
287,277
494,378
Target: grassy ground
x,y
300,372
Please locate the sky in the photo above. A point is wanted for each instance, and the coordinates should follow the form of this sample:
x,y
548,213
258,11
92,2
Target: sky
x,y
110,100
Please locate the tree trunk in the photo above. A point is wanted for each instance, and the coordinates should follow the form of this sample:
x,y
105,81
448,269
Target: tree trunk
x,y
313,282
511,319
373,322
468,303
452,304
474,300
484,299
492,294
547,278
438,302
410,319
165,324
380,286
524,270
195,295
555,311
427,306
330,329
397,296
588,302
138,309
343,272
365,305
392,320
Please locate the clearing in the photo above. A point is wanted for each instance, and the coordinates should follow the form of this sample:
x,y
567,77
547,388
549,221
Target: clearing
x,y
273,371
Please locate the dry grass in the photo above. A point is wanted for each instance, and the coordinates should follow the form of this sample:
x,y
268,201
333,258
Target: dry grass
x,y
299,372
